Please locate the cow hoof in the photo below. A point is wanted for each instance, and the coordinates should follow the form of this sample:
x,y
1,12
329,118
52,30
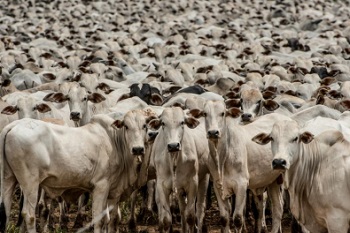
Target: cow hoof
x,y
79,221
132,224
190,220
205,229
237,221
223,221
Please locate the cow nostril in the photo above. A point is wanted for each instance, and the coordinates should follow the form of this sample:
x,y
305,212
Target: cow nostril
x,y
173,147
152,135
75,115
246,116
279,164
213,133
138,150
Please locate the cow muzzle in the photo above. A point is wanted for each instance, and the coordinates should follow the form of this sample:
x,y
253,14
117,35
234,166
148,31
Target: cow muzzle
x,y
279,164
246,117
213,134
174,147
75,116
138,150
152,136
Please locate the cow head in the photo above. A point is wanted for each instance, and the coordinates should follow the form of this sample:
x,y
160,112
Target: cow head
x,y
27,108
172,123
252,103
215,113
134,125
77,98
285,142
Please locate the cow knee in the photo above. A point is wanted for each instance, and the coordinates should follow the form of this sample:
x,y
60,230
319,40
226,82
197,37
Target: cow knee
x,y
223,220
237,221
190,219
166,224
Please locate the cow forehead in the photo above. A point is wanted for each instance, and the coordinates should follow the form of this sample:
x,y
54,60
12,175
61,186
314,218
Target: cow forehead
x,y
214,107
285,129
78,92
29,101
134,119
251,95
174,114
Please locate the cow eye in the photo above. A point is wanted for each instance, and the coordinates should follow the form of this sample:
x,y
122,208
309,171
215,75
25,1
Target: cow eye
x,y
204,114
85,99
126,127
182,122
222,114
163,124
144,126
295,139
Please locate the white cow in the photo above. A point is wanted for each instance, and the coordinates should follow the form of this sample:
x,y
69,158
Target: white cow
x,y
180,157
107,162
240,164
316,173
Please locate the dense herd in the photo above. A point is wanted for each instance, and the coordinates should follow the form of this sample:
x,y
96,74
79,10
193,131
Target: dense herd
x,y
100,98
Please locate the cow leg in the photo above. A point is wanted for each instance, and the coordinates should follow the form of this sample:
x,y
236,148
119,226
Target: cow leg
x,y
238,219
63,219
132,222
7,188
45,212
275,195
30,193
150,197
99,204
201,202
115,215
163,200
181,196
260,224
224,207
81,216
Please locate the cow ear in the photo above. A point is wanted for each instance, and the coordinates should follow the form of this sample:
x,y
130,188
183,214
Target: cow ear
x,y
118,124
327,81
236,103
180,105
269,95
43,108
150,118
233,112
290,92
271,105
306,137
9,110
262,139
345,104
232,95
196,113
103,86
156,99
6,83
56,97
123,97
320,99
49,77
191,122
155,124
96,98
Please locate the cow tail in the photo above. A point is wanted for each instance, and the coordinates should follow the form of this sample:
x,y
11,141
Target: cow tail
x,y
3,217
20,217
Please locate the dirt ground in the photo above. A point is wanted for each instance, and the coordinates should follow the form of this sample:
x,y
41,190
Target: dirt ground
x,y
212,219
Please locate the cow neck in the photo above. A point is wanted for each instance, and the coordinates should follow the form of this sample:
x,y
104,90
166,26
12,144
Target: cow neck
x,y
126,172
85,118
301,178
